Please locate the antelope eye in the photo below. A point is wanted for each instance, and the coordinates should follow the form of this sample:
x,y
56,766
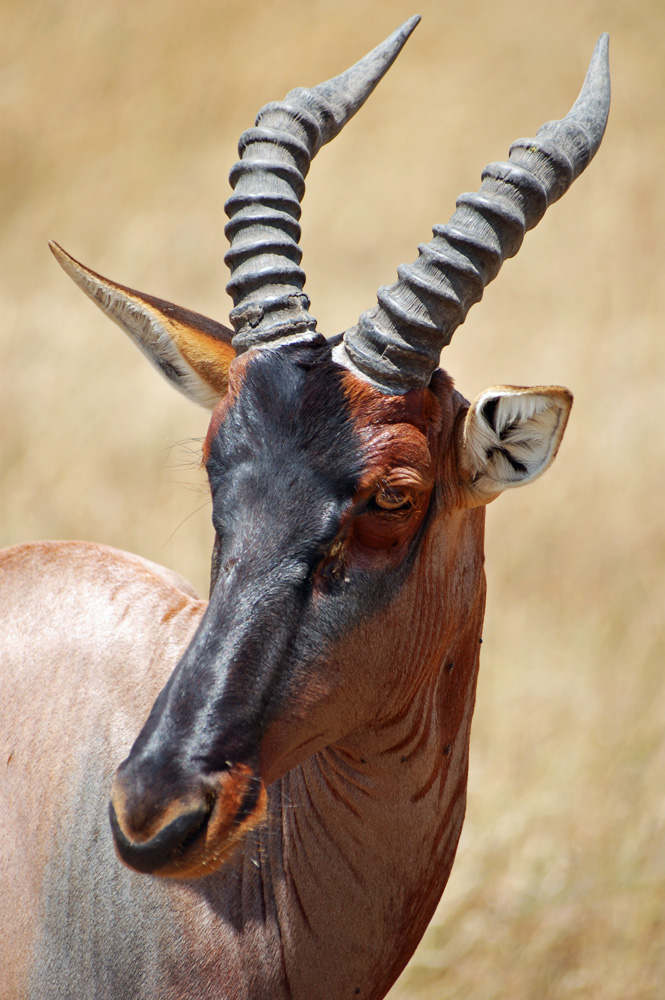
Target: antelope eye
x,y
391,499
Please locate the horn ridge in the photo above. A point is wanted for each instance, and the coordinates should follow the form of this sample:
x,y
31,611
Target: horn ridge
x,y
268,182
396,345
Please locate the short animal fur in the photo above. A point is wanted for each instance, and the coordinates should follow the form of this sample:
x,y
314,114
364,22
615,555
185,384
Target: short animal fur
x,y
288,809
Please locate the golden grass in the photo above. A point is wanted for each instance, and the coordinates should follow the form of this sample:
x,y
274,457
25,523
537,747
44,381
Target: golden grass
x,y
118,125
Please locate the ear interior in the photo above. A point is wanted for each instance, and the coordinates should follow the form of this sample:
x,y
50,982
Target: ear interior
x,y
190,350
511,434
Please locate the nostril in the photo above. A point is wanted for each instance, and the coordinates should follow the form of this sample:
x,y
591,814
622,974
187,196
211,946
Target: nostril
x,y
185,828
169,843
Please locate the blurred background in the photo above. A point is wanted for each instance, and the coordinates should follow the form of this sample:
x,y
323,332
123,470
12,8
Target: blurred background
x,y
118,124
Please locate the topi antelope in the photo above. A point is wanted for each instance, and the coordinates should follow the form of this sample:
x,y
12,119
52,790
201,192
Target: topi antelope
x,y
307,746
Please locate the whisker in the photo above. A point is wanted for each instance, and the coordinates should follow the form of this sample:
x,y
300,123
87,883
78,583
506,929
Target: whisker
x,y
186,518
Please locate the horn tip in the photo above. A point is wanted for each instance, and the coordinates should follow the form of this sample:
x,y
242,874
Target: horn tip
x,y
601,53
596,90
410,24
400,36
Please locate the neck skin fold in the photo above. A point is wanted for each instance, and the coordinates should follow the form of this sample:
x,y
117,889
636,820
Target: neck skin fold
x,y
334,891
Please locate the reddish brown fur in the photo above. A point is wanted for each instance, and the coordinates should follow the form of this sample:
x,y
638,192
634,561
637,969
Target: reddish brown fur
x,y
235,377
367,763
423,709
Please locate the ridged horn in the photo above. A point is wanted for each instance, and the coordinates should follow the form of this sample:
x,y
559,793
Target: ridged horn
x,y
266,282
396,345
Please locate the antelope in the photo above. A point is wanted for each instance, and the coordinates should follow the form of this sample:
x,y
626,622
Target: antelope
x,y
288,810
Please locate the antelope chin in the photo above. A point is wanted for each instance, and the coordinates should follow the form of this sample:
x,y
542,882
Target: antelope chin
x,y
203,836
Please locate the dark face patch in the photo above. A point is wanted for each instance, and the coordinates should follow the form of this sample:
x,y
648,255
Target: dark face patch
x,y
300,541
285,460
318,506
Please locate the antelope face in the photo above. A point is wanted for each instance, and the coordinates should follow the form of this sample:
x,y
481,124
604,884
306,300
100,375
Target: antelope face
x,y
323,489
342,517
348,480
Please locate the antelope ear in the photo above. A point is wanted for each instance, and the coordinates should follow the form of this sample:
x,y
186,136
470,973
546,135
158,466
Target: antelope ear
x,y
191,351
510,436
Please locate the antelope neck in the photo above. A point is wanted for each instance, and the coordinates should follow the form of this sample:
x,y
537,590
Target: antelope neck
x,y
358,845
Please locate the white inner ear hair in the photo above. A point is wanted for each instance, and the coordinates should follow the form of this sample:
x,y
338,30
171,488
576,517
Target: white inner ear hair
x,y
147,328
512,435
149,331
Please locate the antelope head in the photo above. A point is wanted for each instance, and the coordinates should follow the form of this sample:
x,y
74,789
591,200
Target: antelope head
x,y
348,477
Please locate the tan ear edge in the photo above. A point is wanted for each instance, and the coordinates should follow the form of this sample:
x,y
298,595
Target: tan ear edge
x,y
190,350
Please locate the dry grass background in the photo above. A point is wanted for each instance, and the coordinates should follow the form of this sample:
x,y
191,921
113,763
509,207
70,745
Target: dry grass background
x,y
118,123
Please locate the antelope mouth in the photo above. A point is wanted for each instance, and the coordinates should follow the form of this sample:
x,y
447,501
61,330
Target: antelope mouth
x,y
197,835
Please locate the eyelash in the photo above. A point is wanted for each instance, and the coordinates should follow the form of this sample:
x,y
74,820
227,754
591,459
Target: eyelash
x,y
395,501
